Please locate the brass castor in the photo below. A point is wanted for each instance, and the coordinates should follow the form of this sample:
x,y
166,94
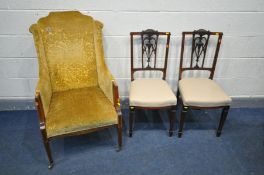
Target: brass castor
x,y
50,165
118,148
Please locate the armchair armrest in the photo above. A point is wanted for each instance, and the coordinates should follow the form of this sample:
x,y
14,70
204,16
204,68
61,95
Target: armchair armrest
x,y
43,95
44,91
117,103
40,110
109,86
116,95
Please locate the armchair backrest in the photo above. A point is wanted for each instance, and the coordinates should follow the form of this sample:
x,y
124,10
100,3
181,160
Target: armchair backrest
x,y
199,46
69,48
149,47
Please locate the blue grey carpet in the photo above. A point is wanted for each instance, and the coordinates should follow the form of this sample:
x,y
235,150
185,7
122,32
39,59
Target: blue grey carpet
x,y
239,151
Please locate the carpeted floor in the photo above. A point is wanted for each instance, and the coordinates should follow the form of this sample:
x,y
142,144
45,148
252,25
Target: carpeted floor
x,y
239,151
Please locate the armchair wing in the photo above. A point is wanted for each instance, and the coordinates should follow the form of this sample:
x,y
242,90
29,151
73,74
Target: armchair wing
x,y
43,88
105,78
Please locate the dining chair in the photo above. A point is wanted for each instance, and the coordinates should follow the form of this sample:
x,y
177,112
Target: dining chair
x,y
150,93
201,93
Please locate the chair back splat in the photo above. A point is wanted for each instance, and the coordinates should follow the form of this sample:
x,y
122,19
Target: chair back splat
x,y
149,48
199,45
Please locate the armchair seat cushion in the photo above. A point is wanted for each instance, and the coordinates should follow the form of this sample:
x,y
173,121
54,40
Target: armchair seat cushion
x,y
202,92
151,93
79,109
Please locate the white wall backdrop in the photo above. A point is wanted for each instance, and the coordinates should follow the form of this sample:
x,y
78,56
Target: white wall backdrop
x,y
240,69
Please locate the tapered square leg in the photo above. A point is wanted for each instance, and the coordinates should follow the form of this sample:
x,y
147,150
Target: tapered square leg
x,y
119,132
172,113
184,110
131,121
222,121
47,148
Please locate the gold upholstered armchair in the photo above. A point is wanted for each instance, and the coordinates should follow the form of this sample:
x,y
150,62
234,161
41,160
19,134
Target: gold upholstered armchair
x,y
76,93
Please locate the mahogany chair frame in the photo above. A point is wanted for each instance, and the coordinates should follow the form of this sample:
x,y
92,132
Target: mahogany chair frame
x,y
199,35
46,139
149,34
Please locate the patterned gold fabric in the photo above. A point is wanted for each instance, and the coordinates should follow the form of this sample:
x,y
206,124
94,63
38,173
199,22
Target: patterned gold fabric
x,y
74,82
105,78
44,83
79,109
68,40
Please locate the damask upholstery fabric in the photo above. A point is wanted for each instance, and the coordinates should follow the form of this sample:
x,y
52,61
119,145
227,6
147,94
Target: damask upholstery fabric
x,y
151,93
68,40
44,83
74,82
79,109
105,78
202,92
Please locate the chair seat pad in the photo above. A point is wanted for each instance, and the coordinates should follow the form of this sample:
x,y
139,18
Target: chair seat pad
x,y
151,93
202,92
79,110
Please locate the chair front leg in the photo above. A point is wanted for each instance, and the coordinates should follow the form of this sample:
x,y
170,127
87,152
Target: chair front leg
x,y
184,110
222,120
131,120
47,147
119,131
42,125
172,113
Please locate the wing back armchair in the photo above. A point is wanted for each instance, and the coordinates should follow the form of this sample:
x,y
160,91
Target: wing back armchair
x,y
76,93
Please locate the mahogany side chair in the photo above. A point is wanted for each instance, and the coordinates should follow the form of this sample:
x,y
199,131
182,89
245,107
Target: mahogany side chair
x,y
201,93
149,93
76,93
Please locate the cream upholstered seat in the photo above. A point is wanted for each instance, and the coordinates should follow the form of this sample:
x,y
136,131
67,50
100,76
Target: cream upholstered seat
x,y
202,92
151,93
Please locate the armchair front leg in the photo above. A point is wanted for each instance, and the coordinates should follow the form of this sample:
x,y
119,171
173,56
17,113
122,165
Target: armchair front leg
x,y
43,131
116,101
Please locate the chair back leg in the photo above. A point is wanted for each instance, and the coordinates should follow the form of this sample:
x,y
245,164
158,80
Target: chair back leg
x,y
131,121
184,110
47,148
172,113
119,131
222,120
